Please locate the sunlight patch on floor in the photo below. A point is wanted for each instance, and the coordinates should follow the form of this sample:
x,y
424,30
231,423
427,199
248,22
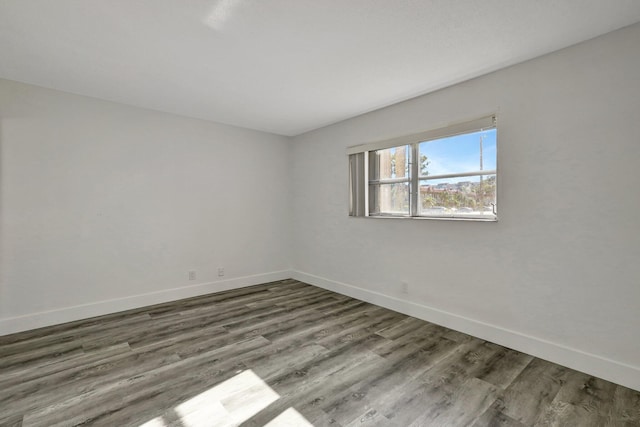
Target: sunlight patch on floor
x,y
156,422
229,403
289,418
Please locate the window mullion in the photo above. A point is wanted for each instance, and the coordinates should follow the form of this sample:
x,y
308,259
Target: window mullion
x,y
389,181
414,188
458,175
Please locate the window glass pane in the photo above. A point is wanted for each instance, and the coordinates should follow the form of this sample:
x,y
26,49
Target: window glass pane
x,y
461,153
465,196
390,163
389,199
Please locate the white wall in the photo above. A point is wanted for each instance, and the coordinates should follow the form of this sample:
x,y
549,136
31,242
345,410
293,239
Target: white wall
x,y
559,274
106,207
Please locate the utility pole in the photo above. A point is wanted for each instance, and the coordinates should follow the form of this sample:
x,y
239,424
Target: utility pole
x,y
481,176
481,138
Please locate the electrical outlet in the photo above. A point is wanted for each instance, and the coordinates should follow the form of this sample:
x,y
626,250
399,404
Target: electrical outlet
x,y
404,287
192,275
220,271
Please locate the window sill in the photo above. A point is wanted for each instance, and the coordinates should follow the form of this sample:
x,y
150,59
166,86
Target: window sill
x,y
437,218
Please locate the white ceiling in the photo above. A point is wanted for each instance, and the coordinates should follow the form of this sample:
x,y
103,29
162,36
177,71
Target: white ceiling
x,y
283,66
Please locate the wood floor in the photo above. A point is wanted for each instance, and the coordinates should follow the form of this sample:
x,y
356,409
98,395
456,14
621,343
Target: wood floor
x,y
287,353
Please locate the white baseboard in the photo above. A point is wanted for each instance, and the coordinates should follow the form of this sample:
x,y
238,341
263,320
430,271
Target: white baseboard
x,y
592,364
617,372
68,314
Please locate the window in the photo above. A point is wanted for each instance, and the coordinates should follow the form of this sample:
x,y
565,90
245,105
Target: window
x,y
443,173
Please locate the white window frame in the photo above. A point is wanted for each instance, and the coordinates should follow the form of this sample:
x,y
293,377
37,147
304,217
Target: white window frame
x,y
359,183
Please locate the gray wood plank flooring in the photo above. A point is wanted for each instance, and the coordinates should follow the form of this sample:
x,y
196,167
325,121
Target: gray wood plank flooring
x,y
287,354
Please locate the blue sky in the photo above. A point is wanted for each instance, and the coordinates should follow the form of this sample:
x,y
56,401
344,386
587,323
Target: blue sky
x,y
460,153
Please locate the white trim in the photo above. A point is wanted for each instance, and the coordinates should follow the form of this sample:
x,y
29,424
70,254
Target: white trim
x,y
68,314
602,367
